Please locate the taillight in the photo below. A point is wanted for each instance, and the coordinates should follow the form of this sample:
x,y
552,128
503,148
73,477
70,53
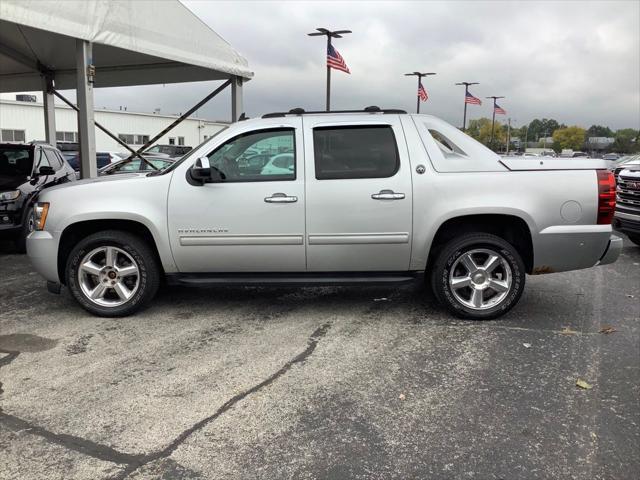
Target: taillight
x,y
606,197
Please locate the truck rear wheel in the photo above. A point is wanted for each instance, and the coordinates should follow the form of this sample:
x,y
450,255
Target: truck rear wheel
x,y
112,273
478,276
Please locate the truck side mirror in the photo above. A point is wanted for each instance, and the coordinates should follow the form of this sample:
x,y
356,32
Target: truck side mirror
x,y
202,172
46,170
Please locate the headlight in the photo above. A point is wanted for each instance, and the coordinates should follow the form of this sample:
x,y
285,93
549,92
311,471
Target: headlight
x,y
8,196
40,211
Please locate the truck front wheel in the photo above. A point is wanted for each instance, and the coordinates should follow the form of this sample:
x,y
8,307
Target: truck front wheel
x,y
478,276
112,273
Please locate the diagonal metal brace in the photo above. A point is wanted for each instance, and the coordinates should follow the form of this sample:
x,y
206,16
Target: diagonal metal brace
x,y
134,153
183,117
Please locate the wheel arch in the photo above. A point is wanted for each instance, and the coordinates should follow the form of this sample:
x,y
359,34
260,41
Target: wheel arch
x,y
74,232
511,228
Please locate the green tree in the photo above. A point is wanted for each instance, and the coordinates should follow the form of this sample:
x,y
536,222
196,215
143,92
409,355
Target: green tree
x,y
569,138
480,129
540,128
599,131
627,141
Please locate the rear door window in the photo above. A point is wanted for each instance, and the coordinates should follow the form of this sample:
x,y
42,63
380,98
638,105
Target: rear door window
x,y
355,152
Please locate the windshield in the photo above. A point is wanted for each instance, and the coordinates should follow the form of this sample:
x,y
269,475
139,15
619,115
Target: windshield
x,y
16,163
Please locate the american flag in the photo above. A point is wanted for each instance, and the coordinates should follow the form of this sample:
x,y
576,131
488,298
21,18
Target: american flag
x,y
471,99
335,60
499,110
422,93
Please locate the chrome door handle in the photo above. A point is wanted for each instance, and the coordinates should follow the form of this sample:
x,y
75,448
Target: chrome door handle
x,y
280,198
387,195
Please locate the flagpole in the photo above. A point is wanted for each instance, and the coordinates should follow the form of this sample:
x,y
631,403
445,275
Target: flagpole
x,y
329,34
419,75
466,91
464,116
493,122
328,77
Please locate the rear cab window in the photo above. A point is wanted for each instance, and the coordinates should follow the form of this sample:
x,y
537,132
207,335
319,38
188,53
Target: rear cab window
x,y
355,151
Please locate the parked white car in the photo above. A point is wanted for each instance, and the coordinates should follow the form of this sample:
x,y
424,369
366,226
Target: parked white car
x,y
281,164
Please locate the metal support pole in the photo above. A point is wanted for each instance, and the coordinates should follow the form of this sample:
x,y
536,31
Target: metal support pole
x,y
508,136
464,118
84,92
418,95
236,98
328,77
493,123
49,109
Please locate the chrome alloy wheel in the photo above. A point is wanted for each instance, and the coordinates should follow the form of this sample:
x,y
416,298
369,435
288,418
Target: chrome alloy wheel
x,y
108,276
480,279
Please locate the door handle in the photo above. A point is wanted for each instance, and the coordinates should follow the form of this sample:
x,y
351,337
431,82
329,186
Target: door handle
x,y
280,198
387,195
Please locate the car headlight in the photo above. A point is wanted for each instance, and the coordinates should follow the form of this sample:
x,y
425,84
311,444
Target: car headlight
x,y
8,196
40,211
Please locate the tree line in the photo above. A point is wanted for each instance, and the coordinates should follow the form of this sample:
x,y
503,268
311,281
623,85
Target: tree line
x,y
626,140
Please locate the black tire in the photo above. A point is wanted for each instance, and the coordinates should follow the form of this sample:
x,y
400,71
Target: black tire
x,y
635,239
149,275
448,256
20,241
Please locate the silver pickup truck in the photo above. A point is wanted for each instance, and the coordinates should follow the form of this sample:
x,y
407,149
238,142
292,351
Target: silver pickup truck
x,y
367,197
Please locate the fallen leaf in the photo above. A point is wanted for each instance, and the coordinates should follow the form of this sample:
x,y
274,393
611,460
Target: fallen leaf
x,y
582,384
567,331
607,329
526,345
401,396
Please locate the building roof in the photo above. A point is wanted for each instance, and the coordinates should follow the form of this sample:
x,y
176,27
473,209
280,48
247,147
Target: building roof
x,y
134,43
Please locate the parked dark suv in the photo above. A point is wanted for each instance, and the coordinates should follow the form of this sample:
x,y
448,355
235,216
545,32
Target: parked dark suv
x,y
25,169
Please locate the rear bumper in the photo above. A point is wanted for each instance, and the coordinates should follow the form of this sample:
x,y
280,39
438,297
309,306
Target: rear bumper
x,y
563,248
42,249
613,251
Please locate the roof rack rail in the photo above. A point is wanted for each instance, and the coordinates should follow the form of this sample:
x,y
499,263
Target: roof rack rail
x,y
301,111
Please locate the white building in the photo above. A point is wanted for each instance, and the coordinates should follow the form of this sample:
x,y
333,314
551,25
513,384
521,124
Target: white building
x,y
23,121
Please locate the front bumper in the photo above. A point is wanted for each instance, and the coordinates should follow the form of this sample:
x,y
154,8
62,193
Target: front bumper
x,y
612,252
627,223
42,249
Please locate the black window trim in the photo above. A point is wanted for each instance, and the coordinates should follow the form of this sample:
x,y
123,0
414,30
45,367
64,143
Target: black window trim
x,y
353,127
267,178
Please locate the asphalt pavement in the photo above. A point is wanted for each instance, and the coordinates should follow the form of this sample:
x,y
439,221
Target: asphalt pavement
x,y
322,383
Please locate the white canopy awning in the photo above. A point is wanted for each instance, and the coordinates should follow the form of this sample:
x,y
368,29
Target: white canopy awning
x,y
134,43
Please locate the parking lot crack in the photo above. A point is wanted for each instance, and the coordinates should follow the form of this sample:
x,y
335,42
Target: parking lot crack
x,y
312,343
133,462
78,444
9,356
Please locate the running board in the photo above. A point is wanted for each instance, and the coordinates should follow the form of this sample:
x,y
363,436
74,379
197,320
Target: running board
x,y
293,279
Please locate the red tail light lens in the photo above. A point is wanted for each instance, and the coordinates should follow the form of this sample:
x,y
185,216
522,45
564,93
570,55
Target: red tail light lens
x,y
606,197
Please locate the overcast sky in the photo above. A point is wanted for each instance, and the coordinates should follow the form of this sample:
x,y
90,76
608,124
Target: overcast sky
x,y
577,61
